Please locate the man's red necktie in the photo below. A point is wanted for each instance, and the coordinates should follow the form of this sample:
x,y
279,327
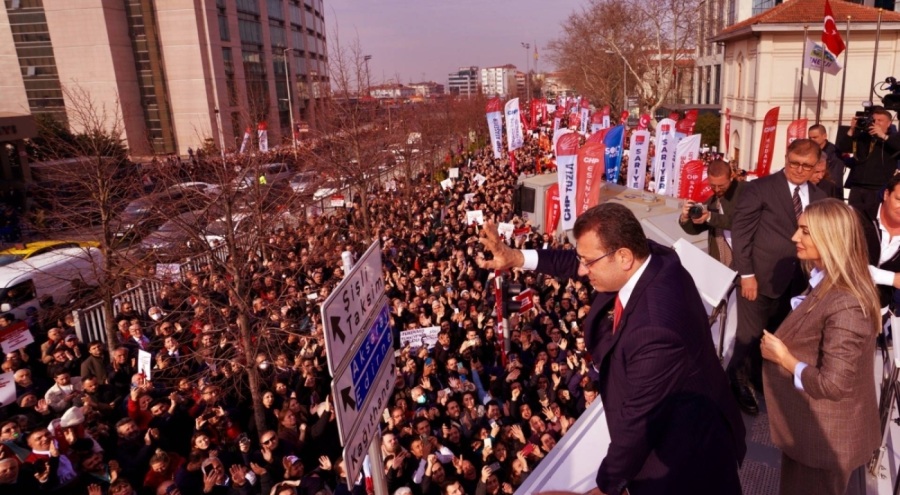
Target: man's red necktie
x,y
617,313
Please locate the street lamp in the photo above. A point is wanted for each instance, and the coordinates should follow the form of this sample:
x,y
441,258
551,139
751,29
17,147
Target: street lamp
x,y
287,81
527,46
624,78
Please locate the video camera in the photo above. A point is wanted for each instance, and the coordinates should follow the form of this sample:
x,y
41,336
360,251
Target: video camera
x,y
890,101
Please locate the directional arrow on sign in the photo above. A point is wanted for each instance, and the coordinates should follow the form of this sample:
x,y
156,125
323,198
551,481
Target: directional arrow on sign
x,y
336,328
349,403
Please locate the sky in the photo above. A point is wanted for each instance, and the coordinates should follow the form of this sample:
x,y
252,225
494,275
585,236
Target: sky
x,y
429,39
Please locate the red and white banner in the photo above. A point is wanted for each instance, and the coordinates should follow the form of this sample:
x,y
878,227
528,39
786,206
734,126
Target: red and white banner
x,y
767,143
606,111
796,130
262,131
675,116
590,174
598,136
16,336
686,125
597,122
558,135
694,184
727,132
584,116
512,163
566,163
495,125
557,118
687,150
623,119
551,209
637,159
664,160
246,140
515,137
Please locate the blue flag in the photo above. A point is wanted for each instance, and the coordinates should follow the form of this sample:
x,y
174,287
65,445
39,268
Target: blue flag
x,y
613,154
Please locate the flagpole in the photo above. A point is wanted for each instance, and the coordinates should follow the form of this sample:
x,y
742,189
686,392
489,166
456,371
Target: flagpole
x,y
821,78
844,75
875,56
802,64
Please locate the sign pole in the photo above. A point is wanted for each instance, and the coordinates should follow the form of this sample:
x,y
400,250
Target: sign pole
x,y
376,462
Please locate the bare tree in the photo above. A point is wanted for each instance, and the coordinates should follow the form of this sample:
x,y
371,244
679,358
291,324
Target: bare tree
x,y
651,40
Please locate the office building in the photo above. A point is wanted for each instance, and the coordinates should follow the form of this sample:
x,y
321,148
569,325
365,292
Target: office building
x,y
499,81
172,73
464,82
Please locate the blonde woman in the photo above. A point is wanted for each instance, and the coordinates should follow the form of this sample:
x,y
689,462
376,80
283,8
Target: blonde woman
x,y
818,367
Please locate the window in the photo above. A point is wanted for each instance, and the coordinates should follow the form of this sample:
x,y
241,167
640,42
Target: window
x,y
223,28
250,6
275,11
277,34
18,294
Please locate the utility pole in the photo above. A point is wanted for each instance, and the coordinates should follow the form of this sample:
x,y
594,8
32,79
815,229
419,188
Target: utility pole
x,y
366,59
527,46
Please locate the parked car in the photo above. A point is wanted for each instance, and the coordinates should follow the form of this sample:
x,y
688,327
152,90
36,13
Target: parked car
x,y
145,214
176,238
303,181
270,172
36,248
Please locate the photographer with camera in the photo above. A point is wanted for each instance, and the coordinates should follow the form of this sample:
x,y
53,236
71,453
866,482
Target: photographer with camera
x,y
873,149
714,216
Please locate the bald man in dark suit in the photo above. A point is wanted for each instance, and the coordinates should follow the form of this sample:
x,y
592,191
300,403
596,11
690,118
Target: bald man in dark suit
x,y
766,259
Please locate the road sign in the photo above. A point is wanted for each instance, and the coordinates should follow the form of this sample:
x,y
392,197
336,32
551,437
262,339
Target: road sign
x,y
353,384
347,310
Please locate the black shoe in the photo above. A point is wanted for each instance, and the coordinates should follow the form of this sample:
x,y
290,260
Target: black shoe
x,y
746,399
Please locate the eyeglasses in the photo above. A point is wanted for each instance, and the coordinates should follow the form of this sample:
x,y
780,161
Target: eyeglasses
x,y
268,440
587,264
805,166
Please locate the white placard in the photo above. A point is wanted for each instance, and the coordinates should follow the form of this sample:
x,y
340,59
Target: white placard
x,y
446,184
505,230
15,337
454,173
7,389
469,197
419,337
475,216
480,179
144,364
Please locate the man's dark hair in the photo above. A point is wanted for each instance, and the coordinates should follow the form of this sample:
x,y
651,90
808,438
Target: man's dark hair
x,y
892,183
718,168
879,110
817,127
805,147
616,227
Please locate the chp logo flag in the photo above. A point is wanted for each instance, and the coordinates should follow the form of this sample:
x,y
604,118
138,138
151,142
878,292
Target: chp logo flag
x,y
613,141
515,137
590,172
566,163
686,125
643,122
262,131
584,116
694,183
246,140
597,137
830,35
813,59
767,143
623,118
796,130
665,154
637,159
688,149
495,125
551,208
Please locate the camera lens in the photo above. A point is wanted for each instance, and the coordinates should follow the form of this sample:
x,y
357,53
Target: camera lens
x,y
695,211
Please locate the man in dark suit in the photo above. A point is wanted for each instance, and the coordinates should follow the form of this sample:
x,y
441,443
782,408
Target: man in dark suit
x,y
834,164
717,212
881,224
672,422
827,185
766,259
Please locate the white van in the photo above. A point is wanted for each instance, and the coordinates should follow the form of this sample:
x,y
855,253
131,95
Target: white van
x,y
43,280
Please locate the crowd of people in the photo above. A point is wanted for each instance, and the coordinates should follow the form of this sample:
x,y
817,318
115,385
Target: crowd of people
x,y
465,417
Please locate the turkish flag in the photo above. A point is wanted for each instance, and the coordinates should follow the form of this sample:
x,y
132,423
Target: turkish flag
x,y
830,35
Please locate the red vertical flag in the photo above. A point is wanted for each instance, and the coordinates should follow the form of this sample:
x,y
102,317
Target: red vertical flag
x,y
830,35
767,143
796,130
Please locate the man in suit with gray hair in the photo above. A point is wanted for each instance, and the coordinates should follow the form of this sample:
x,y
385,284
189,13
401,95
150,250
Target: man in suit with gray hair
x,y
766,259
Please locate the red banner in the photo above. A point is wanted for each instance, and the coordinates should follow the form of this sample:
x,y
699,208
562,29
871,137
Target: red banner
x,y
675,116
767,143
686,125
589,170
693,184
623,119
796,130
574,121
597,137
551,208
512,163
644,122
